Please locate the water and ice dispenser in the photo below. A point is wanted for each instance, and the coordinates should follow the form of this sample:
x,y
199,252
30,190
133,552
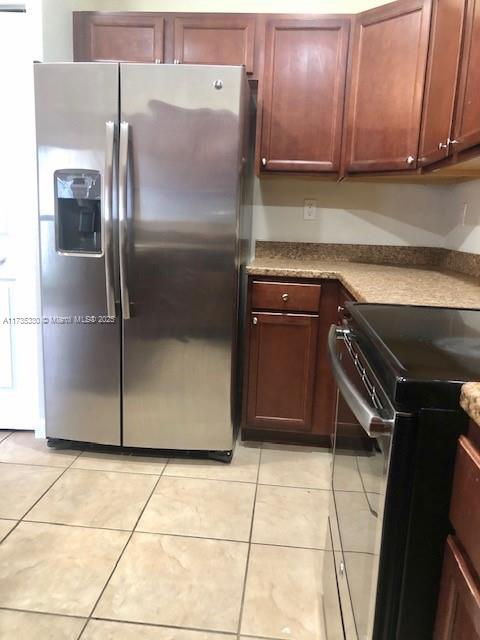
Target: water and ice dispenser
x,y
78,211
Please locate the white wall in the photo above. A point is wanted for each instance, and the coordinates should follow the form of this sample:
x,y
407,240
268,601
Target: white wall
x,y
465,233
57,29
21,398
227,6
370,213
349,212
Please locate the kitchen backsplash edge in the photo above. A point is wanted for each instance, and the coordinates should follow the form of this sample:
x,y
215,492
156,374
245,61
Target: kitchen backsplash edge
x,y
435,257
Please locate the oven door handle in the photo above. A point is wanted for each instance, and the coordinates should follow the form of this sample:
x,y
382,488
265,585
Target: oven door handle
x,y
369,418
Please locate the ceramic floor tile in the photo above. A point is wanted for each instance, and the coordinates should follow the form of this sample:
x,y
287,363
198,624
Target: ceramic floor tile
x,y
120,462
171,580
284,593
360,573
4,433
291,517
95,499
295,467
372,470
56,569
38,626
206,508
356,522
346,475
23,448
332,614
106,630
243,468
5,527
21,486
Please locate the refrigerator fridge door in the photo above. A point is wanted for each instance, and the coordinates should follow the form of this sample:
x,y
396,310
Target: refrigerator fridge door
x,y
180,170
76,120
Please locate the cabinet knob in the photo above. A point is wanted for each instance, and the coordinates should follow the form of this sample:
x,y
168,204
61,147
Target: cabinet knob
x,y
158,61
443,145
454,141
264,162
285,297
410,160
340,309
176,61
255,320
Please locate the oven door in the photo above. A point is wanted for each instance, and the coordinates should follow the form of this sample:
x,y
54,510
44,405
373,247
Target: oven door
x,y
364,429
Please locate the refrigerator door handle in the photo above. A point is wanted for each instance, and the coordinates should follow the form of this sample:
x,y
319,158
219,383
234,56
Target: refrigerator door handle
x,y
107,218
122,218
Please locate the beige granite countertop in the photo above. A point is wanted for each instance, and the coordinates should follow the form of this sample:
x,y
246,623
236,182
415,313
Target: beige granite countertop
x,y
378,283
470,400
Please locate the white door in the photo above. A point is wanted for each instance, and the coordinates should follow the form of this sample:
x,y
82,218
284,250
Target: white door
x,y
21,405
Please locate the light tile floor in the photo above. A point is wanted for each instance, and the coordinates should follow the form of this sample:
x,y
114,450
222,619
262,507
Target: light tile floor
x,y
100,546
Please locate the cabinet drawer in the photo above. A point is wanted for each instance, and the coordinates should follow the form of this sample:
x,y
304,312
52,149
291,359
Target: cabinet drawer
x,y
465,504
279,296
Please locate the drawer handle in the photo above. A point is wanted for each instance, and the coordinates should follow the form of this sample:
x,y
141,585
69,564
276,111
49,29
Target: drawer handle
x,y
285,297
255,320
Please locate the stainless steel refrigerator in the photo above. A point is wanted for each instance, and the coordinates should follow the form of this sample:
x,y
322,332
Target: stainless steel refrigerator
x,y
143,236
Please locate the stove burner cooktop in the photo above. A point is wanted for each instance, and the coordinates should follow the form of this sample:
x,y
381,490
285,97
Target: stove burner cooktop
x,y
420,345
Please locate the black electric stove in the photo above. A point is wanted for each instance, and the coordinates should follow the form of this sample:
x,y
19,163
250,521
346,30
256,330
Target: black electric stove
x,y
422,355
399,371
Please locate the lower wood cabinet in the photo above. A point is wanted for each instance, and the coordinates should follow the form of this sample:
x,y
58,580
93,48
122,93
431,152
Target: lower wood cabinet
x,y
282,370
458,616
458,611
289,391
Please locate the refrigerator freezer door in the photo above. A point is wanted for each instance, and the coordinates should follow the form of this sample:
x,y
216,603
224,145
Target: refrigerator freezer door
x,y
76,119
185,126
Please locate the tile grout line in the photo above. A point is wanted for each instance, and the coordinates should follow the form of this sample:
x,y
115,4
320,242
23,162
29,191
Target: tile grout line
x,y
38,500
121,555
179,535
245,577
7,436
163,473
140,624
230,634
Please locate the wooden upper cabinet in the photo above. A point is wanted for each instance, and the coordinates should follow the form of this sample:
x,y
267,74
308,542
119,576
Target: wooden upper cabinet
x,y
441,81
387,80
466,129
303,94
131,37
215,39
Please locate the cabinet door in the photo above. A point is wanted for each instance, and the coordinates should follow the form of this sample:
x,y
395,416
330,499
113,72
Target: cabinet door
x,y
281,371
215,39
466,131
458,612
386,90
303,94
132,37
441,82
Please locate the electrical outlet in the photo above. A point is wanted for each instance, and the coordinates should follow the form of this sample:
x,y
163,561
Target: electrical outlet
x,y
309,209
